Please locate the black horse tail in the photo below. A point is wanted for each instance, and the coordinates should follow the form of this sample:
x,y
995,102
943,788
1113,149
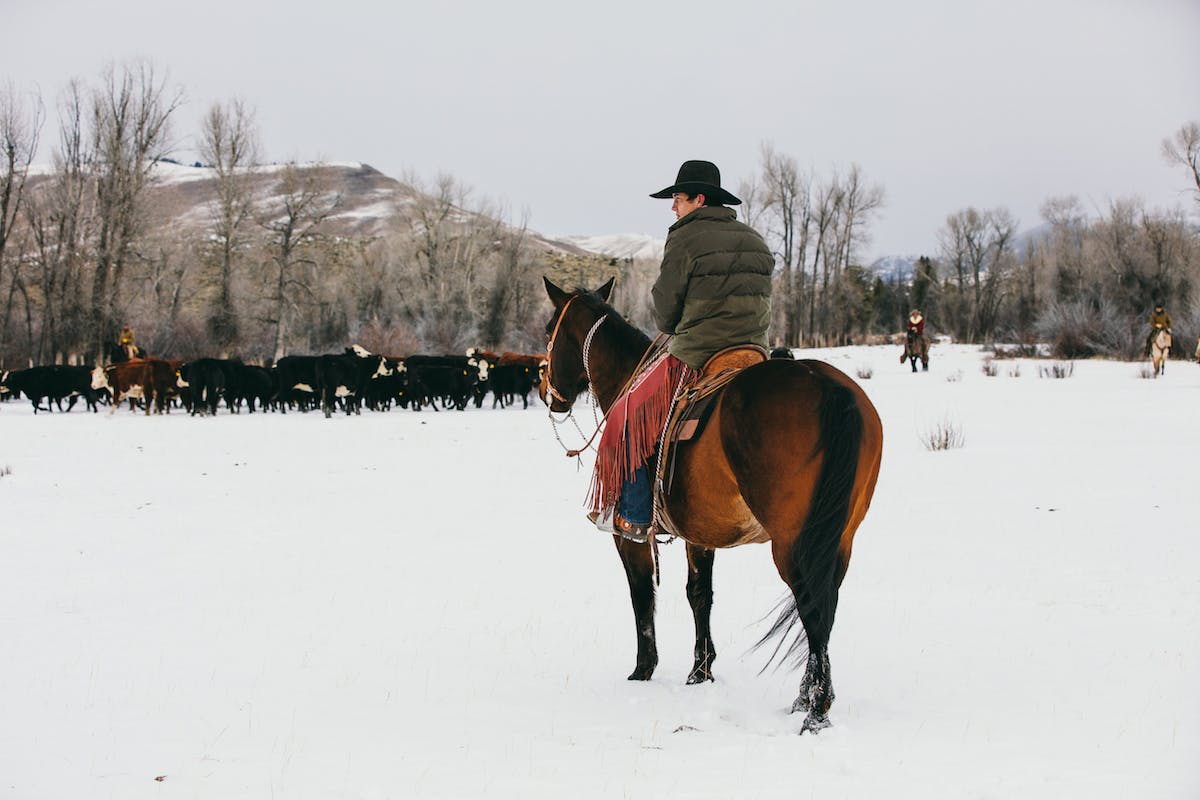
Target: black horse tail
x,y
814,571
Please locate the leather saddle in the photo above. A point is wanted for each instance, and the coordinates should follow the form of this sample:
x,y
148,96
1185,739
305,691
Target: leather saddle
x,y
690,413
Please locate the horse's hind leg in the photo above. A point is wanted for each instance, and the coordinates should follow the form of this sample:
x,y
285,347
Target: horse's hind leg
x,y
638,560
816,688
699,593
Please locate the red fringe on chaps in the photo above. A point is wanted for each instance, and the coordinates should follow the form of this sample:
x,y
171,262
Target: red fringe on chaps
x,y
632,429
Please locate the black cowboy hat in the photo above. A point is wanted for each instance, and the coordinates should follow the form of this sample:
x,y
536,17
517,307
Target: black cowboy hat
x,y
699,177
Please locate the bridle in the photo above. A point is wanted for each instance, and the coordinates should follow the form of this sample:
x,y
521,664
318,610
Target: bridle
x,y
553,392
587,346
586,354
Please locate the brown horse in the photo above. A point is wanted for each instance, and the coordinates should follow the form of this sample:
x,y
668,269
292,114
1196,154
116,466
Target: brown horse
x,y
916,347
1160,348
790,456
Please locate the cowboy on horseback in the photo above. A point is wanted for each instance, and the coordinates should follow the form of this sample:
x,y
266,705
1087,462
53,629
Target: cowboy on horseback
x,y
127,341
916,346
916,323
1160,320
713,291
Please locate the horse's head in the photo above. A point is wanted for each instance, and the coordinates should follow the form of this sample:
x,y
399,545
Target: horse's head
x,y
565,376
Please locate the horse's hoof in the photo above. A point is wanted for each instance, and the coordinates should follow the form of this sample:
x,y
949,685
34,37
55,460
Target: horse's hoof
x,y
641,674
814,724
699,675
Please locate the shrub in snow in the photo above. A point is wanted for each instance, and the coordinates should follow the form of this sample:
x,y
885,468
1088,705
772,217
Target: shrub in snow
x,y
5,470
1086,328
1014,371
943,435
1059,369
864,372
1145,371
1020,351
954,377
990,368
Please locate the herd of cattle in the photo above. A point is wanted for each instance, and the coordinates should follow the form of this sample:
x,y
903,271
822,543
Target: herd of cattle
x,y
345,382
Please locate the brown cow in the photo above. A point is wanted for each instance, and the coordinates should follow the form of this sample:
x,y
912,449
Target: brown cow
x,y
150,379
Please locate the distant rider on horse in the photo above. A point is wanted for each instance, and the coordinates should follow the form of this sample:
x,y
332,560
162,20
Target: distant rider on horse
x,y
1159,320
713,291
916,323
127,342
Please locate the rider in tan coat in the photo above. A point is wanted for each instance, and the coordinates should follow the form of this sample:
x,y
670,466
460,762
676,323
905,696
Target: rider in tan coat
x,y
1159,320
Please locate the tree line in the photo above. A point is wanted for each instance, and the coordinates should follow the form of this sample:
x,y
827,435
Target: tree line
x,y
1083,282
266,275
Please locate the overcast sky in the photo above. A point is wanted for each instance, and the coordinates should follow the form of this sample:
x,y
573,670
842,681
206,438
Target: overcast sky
x,y
572,113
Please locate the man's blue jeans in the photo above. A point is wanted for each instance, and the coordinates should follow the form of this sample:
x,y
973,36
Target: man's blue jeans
x,y
636,504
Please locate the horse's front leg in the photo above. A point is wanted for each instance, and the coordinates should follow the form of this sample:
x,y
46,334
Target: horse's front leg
x,y
700,596
638,560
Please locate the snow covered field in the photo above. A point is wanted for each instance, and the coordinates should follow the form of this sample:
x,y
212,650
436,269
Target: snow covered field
x,y
412,605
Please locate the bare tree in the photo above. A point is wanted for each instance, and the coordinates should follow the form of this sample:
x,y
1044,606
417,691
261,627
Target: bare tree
x,y
21,121
788,217
1184,149
977,244
1002,227
59,217
513,299
860,201
1065,246
826,205
292,220
441,244
229,144
130,129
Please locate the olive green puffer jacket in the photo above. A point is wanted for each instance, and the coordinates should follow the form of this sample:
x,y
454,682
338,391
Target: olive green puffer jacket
x,y
714,287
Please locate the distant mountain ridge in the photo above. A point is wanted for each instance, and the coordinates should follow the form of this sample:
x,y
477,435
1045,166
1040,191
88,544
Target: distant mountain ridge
x,y
179,195
620,245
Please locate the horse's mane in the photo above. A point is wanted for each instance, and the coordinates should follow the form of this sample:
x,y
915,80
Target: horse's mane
x,y
628,335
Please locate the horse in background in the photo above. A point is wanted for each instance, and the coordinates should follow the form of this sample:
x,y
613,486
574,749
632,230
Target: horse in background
x,y
1160,349
789,455
119,355
916,347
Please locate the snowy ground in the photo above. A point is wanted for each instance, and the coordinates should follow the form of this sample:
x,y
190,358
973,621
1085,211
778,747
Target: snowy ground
x,y
411,605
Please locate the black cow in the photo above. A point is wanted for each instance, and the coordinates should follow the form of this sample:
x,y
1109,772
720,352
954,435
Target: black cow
x,y
510,381
204,382
296,381
450,379
255,385
346,377
55,383
383,390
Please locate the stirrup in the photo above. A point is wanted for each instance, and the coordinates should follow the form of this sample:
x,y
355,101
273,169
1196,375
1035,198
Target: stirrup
x,y
633,531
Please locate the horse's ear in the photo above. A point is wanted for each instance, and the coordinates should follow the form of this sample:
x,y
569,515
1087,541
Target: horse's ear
x,y
557,295
606,290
